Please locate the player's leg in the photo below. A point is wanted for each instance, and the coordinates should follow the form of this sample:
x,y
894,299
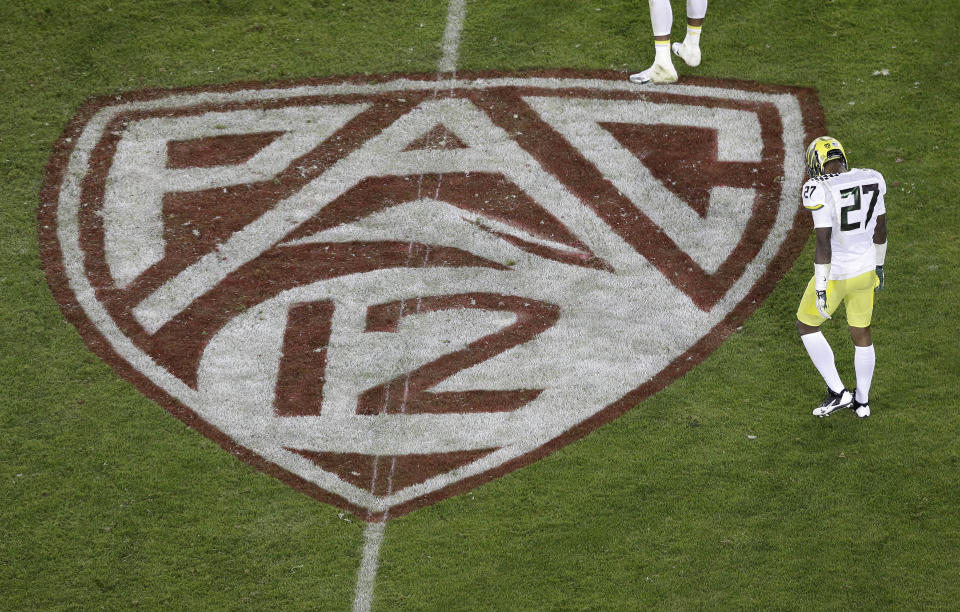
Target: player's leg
x,y
864,362
689,49
819,350
662,70
859,303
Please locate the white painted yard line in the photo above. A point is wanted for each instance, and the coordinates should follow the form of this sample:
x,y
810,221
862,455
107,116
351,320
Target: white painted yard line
x,y
456,11
373,534
372,539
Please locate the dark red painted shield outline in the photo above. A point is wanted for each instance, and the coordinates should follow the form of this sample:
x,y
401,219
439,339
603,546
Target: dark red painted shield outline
x,y
813,125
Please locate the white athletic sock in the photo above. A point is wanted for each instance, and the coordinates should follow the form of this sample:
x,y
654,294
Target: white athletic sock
x,y
693,37
696,9
822,356
864,360
663,52
661,17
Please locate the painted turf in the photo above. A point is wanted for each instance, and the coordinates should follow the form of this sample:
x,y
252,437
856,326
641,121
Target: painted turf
x,y
575,261
468,260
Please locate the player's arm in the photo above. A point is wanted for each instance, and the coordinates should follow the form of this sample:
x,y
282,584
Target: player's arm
x,y
880,244
814,200
821,268
824,253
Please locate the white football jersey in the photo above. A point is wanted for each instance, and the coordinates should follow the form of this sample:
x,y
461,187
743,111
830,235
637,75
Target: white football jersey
x,y
848,202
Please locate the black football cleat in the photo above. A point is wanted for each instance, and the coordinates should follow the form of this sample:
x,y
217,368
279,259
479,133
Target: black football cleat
x,y
833,402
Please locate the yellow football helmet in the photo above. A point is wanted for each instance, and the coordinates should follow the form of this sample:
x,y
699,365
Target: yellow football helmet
x,y
821,151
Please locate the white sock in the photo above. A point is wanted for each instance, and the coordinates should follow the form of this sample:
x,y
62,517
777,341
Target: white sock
x,y
663,52
693,37
696,9
822,356
864,360
661,17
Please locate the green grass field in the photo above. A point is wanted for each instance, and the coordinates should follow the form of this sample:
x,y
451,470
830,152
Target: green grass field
x,y
108,502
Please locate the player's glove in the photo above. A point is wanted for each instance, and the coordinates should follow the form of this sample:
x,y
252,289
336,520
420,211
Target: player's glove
x,y
880,278
822,304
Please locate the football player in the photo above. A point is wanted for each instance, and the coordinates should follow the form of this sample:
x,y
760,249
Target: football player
x,y
661,18
850,221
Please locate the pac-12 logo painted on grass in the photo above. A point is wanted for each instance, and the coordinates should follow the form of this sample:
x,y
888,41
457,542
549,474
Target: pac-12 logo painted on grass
x,y
387,291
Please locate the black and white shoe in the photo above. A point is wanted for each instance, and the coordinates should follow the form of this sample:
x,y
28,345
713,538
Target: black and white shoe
x,y
862,410
833,402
